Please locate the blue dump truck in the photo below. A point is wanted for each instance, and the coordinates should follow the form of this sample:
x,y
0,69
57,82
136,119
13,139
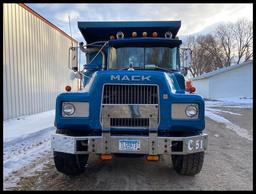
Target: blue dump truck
x,y
133,101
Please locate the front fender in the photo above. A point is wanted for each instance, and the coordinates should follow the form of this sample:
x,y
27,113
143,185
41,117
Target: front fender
x,y
81,123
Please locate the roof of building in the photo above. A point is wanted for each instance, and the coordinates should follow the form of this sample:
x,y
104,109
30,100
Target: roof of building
x,y
222,70
46,21
101,31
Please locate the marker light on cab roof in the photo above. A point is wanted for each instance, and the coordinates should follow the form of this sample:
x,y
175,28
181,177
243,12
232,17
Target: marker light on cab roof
x,y
144,34
134,34
154,34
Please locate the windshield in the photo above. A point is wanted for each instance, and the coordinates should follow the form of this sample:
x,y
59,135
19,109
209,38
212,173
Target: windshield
x,y
143,58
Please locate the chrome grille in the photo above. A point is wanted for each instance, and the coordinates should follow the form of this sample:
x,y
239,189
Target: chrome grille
x,y
130,94
129,122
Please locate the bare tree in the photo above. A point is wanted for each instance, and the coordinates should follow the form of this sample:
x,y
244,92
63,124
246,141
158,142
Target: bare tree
x,y
224,37
243,38
235,41
210,48
206,55
231,42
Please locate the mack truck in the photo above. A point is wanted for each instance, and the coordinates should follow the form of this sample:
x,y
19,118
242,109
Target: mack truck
x,y
133,99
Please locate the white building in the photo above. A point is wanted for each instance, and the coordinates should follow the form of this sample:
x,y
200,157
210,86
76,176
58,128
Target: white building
x,y
35,62
232,81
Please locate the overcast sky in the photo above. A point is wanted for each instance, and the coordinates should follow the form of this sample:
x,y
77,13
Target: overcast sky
x,y
194,17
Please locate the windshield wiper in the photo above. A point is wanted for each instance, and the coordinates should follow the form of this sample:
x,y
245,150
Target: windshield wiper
x,y
155,68
125,68
164,69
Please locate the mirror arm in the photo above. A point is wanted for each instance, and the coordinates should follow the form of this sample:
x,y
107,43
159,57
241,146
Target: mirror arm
x,y
92,50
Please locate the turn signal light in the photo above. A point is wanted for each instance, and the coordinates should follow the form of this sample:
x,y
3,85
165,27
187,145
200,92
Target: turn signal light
x,y
192,89
189,87
106,157
153,157
68,88
188,84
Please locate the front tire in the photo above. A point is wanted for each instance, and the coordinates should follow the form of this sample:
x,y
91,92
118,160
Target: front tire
x,y
190,164
69,164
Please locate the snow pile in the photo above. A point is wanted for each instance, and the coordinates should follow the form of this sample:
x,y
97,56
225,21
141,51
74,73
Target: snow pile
x,y
21,153
26,142
27,125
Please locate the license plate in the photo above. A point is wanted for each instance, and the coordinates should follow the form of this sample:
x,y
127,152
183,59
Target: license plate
x,y
129,145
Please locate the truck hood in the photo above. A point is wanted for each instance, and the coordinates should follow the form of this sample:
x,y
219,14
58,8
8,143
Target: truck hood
x,y
162,79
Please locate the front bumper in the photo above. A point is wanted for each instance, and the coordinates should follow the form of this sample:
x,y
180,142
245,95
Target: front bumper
x,y
106,144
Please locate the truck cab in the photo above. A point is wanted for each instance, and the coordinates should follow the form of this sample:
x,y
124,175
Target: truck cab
x,y
133,102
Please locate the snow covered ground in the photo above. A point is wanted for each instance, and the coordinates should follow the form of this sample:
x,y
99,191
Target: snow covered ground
x,y
26,140
214,113
24,126
230,102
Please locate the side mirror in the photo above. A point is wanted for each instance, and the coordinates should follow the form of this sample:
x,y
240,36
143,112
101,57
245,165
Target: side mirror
x,y
184,71
73,58
188,57
186,60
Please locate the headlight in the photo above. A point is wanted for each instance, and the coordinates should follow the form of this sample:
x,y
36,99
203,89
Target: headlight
x,y
68,109
191,110
75,109
184,111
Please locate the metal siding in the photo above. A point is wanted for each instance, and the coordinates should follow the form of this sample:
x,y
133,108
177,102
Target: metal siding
x,y
202,87
33,63
236,83
20,63
29,76
11,53
7,91
35,57
5,58
30,55
25,48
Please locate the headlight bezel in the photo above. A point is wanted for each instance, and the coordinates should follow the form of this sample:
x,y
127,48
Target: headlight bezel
x,y
81,109
178,111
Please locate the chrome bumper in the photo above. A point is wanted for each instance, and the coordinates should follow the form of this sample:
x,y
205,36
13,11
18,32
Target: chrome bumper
x,y
106,144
